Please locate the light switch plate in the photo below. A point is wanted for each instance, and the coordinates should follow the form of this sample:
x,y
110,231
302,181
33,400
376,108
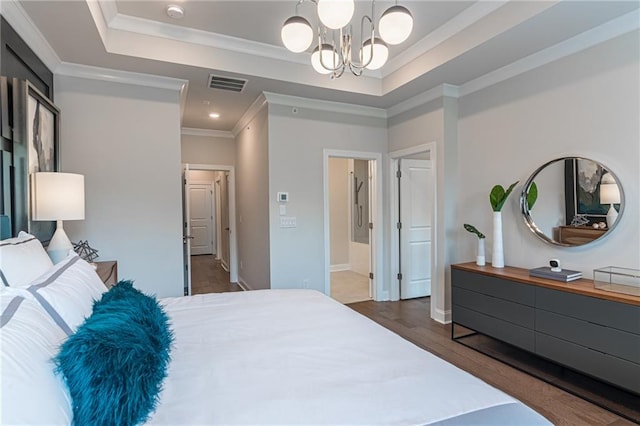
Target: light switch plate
x,y
288,222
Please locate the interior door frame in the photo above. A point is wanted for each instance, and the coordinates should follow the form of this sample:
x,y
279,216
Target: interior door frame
x,y
233,242
376,214
437,270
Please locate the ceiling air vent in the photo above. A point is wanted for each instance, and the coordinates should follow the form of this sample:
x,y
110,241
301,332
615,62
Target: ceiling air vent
x,y
226,83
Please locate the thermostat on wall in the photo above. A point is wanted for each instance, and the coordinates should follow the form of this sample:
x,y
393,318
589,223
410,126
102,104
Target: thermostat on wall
x,y
283,197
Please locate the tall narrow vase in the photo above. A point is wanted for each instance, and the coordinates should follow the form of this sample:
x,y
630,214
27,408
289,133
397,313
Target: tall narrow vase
x,y
497,256
480,256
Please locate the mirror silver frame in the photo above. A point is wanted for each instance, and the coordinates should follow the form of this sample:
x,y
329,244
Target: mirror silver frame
x,y
537,231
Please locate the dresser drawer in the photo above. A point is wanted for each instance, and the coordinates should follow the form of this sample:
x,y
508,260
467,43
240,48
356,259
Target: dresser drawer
x,y
492,306
507,332
604,312
497,287
594,336
614,370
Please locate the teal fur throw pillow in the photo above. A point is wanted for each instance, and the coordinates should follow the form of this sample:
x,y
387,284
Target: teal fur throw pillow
x,y
116,361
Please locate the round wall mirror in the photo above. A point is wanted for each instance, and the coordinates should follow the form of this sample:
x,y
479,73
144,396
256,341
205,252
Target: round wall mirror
x,y
572,201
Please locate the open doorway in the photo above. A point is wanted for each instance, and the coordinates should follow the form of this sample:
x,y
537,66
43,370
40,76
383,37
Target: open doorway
x,y
349,220
352,206
209,229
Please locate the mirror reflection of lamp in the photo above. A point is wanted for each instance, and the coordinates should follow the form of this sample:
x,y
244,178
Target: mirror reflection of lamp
x,y
609,194
57,196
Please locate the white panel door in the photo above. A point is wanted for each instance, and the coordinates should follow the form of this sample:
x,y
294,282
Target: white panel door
x,y
201,218
416,228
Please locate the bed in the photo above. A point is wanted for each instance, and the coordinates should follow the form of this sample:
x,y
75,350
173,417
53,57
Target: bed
x,y
246,358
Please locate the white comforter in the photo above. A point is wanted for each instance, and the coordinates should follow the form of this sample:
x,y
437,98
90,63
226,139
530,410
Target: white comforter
x,y
298,357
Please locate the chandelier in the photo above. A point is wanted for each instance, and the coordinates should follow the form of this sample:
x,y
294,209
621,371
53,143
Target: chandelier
x,y
333,53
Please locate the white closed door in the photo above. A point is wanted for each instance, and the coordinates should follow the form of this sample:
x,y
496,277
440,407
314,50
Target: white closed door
x,y
201,218
415,228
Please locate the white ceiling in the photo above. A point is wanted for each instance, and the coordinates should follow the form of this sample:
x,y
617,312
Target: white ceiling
x,y
453,42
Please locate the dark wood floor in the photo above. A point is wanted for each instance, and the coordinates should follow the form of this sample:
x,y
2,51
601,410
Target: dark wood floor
x,y
208,276
410,319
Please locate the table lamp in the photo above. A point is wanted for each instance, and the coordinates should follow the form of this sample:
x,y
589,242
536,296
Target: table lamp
x,y
57,196
609,194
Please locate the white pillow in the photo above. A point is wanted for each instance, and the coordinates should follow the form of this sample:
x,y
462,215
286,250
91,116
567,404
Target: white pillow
x,y
67,291
31,393
22,259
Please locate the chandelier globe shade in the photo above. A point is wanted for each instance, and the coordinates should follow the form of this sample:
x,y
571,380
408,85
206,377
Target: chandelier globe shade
x,y
330,59
296,34
335,14
380,54
395,25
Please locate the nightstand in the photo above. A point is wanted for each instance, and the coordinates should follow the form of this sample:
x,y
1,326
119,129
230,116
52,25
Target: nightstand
x,y
108,272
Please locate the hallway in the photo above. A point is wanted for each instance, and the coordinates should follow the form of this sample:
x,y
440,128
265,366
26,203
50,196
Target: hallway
x,y
208,276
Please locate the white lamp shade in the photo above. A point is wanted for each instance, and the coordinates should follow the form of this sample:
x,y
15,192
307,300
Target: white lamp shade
x,y
335,14
330,59
609,191
296,34
57,196
395,25
380,53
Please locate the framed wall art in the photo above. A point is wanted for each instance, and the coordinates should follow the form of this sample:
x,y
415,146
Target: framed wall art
x,y
582,190
36,149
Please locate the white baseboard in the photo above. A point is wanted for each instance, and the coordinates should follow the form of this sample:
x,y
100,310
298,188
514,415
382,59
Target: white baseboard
x,y
340,267
243,285
224,265
443,317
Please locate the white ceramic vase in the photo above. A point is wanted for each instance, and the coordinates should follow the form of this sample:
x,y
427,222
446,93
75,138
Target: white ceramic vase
x,y
480,257
497,255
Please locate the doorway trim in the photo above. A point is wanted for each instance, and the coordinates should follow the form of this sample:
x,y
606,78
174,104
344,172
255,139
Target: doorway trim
x,y
233,243
376,257
437,270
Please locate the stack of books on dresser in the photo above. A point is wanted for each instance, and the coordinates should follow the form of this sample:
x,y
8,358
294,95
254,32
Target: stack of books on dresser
x,y
564,275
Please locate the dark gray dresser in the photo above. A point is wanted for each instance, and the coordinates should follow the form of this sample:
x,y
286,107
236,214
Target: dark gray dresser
x,y
573,324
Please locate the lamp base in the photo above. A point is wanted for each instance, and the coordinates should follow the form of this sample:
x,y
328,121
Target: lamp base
x,y
612,216
60,245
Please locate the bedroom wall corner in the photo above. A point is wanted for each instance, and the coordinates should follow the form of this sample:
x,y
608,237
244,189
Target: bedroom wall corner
x,y
125,139
436,121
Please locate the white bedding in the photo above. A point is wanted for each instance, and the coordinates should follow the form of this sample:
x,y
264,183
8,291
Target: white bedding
x,y
298,357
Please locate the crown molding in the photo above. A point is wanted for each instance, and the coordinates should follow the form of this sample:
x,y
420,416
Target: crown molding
x,y
438,92
250,113
109,9
607,31
123,77
454,26
17,17
164,30
321,105
190,131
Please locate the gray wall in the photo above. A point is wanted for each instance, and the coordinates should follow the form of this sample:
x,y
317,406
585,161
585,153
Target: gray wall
x,y
126,141
296,144
586,105
208,150
252,208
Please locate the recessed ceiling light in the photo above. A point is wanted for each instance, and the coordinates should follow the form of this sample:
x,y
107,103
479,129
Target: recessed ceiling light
x,y
175,11
214,115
